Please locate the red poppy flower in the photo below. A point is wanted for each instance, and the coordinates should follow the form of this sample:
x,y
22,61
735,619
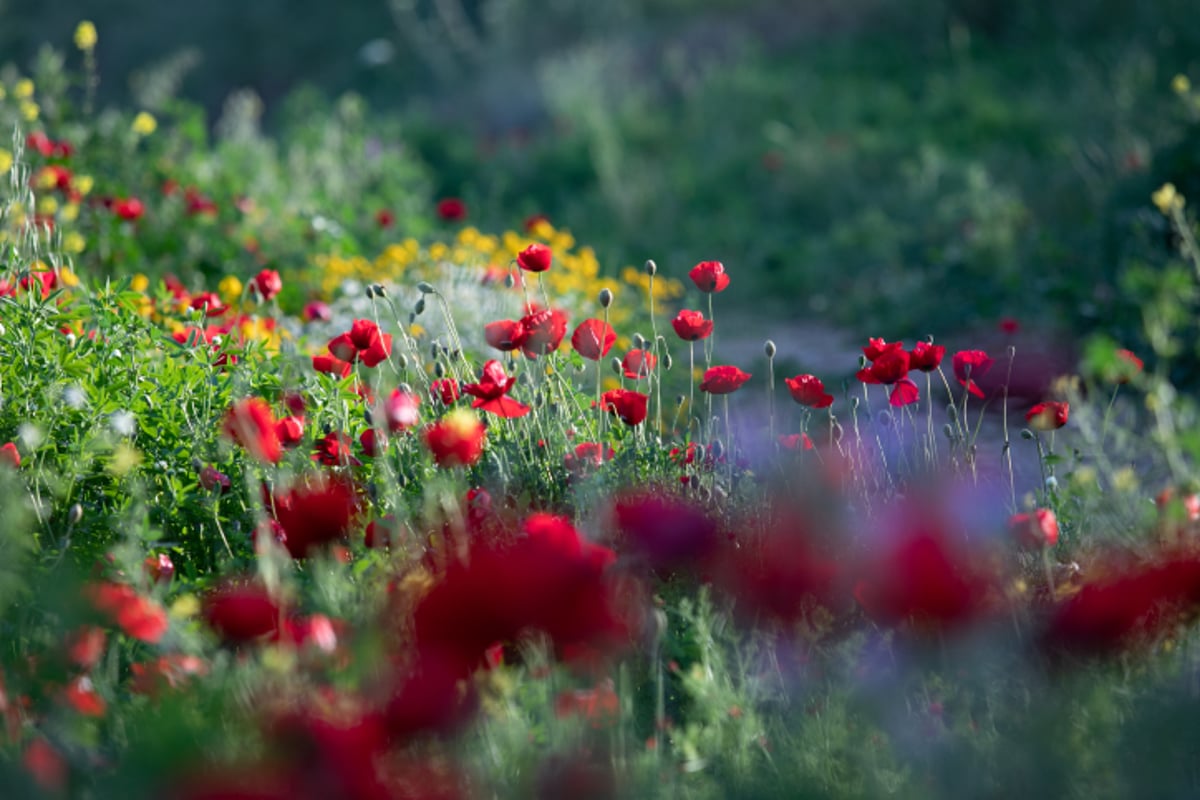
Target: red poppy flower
x,y
888,367
40,142
877,347
666,531
926,357
212,479
504,334
452,209
1128,366
210,303
970,365
629,405
267,284
795,441
401,410
593,339
373,442
544,330
130,209
808,390
723,379
81,695
638,364
363,342
385,218
691,325
290,431
587,456
331,365
333,450
9,455
1048,416
1035,530
1009,325
85,646
139,617
490,392
536,257
709,276
317,311
445,389
315,513
241,613
456,440
251,424
159,567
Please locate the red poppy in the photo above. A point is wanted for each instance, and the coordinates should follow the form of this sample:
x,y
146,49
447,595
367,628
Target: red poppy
x,y
85,646
9,455
536,257
317,311
638,364
723,379
81,695
401,410
629,405
709,276
666,531
808,390
586,456
251,424
445,389
267,284
290,431
167,672
140,617
970,365
373,442
159,568
1048,416
504,334
1128,365
1035,530
40,142
242,612
691,325
456,440
363,342
889,367
333,450
130,209
452,209
593,339
1009,325
385,218
211,480
544,330
795,441
926,357
877,347
210,303
46,766
315,513
490,393
332,365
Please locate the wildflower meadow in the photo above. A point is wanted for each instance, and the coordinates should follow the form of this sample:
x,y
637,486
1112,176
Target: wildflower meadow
x,y
312,486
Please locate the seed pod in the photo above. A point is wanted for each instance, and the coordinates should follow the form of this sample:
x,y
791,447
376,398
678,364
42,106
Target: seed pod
x,y
425,288
948,429
1027,434
679,399
606,297
439,369
402,361
419,308
769,348
651,268
404,387
370,291
379,290
369,415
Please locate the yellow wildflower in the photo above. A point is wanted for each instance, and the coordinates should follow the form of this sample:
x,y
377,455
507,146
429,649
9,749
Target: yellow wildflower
x,y
74,243
30,110
230,288
416,330
144,124
1167,199
140,283
85,35
47,206
83,183
23,89
6,160
69,212
186,606
67,277
1180,84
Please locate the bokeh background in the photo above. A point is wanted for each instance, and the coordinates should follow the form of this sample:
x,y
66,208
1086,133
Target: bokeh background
x,y
897,168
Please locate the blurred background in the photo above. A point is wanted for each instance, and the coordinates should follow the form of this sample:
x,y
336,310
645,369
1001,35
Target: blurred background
x,y
894,168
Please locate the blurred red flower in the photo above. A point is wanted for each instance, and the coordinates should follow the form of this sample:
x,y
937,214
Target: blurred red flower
x,y
926,357
1048,416
251,424
266,284
723,379
314,513
452,209
543,332
9,455
130,209
504,334
593,338
638,364
456,440
331,365
667,531
1035,530
808,390
969,365
446,390
241,612
363,342
401,410
290,431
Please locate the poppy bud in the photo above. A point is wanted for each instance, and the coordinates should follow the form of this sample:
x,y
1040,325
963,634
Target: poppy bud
x,y
1026,434
404,387
419,308
411,318
75,514
402,361
948,429
606,297
667,361
379,290
425,288
509,281
769,348
679,399
718,449
368,416
370,291
435,349
639,341
616,366
651,267
439,369
952,411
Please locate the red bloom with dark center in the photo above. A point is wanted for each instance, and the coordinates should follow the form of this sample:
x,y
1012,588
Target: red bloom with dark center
x,y
889,367
629,405
317,311
445,389
1048,416
210,303
363,342
267,284
970,365
456,440
402,410
242,612
504,334
593,339
691,325
130,209
452,209
290,431
544,330
490,393
332,365
1036,530
315,513
251,424
723,379
333,450
808,390
709,276
535,258
877,347
638,364
926,357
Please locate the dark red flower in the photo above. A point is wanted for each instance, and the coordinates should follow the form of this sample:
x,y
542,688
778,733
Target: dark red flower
x,y
446,390
504,334
544,330
402,410
638,364
490,393
709,276
242,613
452,209
140,617
332,365
290,431
130,209
593,339
585,457
85,646
877,347
1048,416
629,405
536,257
691,325
1128,366
317,311
210,303
970,365
723,379
888,367
385,218
808,390
267,284
456,440
795,441
926,357
251,424
373,442
333,450
159,567
666,531
314,513
1035,530
9,456
363,342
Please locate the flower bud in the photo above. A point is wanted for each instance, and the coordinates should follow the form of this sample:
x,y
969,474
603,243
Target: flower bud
x,y
425,288
651,268
606,297
402,361
419,308
667,362
639,341
379,290
439,369
769,348
948,430
1027,434
509,281
75,514
616,366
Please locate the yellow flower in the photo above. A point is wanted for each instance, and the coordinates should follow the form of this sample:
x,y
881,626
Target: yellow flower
x,y
1180,84
47,206
6,160
186,606
140,283
23,89
85,35
230,288
67,277
30,110
74,243
83,183
144,124
416,330
69,213
1167,199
